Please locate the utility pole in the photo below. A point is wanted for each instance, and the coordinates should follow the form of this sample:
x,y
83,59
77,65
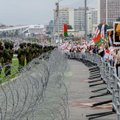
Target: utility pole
x,y
86,20
55,21
57,18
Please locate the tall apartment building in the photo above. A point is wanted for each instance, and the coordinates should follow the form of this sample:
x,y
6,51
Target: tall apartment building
x,y
113,10
92,20
72,17
50,27
75,18
79,19
63,18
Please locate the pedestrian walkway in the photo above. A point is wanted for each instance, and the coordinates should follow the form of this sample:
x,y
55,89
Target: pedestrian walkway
x,y
76,79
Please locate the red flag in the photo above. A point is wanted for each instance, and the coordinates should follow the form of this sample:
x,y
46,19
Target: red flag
x,y
65,27
96,39
65,30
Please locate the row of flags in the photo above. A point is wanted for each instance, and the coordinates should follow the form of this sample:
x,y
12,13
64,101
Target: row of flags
x,y
98,37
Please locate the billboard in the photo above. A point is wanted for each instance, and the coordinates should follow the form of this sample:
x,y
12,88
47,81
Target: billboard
x,y
116,33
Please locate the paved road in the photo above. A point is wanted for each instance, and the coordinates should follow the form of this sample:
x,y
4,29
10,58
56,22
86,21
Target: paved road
x,y
79,93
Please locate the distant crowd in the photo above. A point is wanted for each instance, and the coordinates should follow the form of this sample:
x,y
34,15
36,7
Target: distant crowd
x,y
107,53
25,53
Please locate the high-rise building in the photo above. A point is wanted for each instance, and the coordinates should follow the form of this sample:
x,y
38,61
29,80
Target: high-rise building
x,y
92,20
102,10
109,10
50,27
79,19
61,19
73,17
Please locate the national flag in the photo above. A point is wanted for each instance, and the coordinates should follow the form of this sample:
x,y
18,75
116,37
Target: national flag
x,y
103,31
97,40
97,31
65,30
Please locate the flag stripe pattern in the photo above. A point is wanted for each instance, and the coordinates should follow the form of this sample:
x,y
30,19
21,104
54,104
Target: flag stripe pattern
x,y
65,30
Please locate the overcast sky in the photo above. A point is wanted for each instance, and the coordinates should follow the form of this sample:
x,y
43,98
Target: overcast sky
x,y
33,11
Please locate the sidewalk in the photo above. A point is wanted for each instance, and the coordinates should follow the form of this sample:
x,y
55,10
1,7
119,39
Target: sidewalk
x,y
79,93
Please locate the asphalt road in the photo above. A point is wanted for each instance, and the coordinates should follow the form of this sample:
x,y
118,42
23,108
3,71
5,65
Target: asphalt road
x,y
79,93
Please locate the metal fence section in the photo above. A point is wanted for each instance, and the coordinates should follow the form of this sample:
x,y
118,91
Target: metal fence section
x,y
38,92
108,75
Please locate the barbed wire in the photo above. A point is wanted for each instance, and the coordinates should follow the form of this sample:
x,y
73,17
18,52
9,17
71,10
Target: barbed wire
x,y
38,92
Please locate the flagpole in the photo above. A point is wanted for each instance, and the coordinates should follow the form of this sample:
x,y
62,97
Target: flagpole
x,y
86,20
106,11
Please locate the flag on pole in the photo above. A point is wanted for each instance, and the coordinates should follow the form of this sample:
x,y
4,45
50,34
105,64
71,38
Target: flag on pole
x,y
97,40
97,31
65,30
103,31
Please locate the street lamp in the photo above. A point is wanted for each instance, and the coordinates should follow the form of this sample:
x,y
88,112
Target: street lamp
x,y
58,18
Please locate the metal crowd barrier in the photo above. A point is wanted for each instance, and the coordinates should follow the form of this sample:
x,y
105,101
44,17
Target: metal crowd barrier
x,y
108,75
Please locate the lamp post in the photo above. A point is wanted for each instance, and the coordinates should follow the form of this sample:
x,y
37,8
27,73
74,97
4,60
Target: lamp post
x,y
85,19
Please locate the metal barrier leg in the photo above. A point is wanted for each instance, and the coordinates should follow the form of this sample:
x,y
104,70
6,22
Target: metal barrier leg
x,y
94,81
94,70
104,94
101,103
94,77
99,90
98,115
118,117
96,84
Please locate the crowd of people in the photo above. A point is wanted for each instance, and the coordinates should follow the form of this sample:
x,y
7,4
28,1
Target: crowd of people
x,y
107,53
25,53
